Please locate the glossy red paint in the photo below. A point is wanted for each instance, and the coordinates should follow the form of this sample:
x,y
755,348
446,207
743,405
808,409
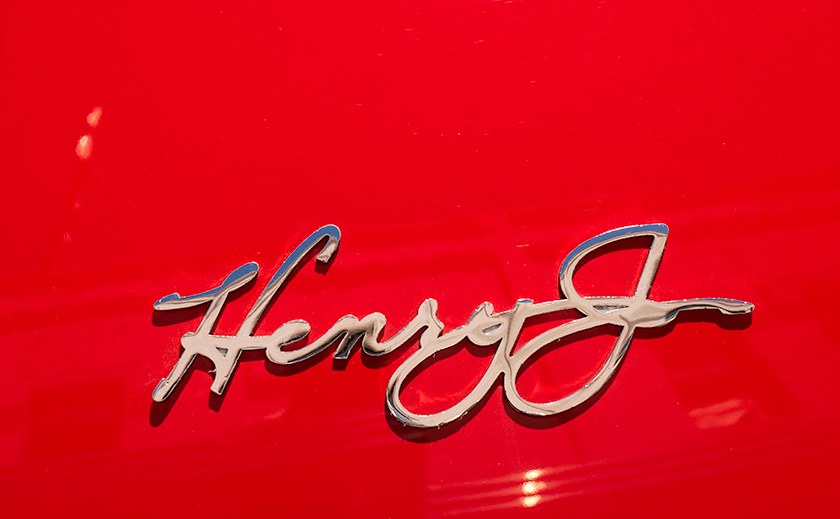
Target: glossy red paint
x,y
463,148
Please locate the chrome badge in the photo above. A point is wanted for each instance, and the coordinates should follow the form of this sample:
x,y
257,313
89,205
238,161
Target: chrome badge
x,y
484,328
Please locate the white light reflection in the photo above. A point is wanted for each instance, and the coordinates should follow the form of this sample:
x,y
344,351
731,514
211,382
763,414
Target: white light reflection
x,y
721,414
529,501
84,147
531,488
93,117
533,474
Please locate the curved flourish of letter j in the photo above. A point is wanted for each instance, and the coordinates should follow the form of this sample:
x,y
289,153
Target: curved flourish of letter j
x,y
484,328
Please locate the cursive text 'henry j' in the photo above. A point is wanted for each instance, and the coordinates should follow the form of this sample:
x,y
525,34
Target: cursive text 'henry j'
x,y
485,328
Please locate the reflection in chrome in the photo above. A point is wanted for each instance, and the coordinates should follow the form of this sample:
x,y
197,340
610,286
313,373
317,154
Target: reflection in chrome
x,y
484,328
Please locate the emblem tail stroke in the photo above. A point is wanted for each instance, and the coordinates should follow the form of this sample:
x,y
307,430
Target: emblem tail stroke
x,y
485,328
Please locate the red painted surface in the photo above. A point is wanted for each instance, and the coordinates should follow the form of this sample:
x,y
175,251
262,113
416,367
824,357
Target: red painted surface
x,y
463,148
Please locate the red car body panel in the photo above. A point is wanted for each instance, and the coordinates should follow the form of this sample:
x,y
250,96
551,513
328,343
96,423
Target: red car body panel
x,y
464,149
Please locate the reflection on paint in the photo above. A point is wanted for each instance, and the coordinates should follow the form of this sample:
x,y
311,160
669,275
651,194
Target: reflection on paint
x,y
721,414
93,117
531,488
533,474
84,147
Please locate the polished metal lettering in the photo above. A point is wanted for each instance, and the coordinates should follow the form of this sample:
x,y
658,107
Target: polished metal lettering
x,y
484,328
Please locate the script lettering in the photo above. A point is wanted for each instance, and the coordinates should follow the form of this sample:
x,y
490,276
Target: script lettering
x,y
485,328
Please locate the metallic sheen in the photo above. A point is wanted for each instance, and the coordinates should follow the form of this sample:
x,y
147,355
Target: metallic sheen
x,y
485,328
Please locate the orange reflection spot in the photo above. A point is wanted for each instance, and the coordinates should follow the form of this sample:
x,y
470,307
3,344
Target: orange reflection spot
x,y
93,116
84,147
